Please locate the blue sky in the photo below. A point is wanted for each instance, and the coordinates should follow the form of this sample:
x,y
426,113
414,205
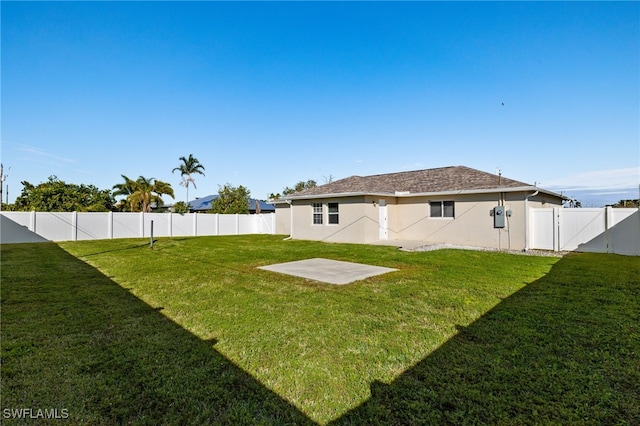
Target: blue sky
x,y
267,94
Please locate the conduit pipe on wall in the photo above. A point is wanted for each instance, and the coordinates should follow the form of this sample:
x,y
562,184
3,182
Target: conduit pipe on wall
x,y
526,219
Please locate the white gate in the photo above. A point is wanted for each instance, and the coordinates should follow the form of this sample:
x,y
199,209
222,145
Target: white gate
x,y
599,230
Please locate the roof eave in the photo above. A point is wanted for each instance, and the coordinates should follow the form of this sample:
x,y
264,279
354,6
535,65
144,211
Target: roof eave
x,y
528,188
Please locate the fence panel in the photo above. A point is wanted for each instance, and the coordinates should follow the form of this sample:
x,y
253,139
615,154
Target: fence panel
x,y
248,225
21,218
207,224
126,225
601,230
581,228
95,226
182,225
160,224
267,224
228,224
542,229
55,226
624,231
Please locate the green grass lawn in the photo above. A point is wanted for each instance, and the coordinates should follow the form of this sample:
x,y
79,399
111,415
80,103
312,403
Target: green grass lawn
x,y
192,333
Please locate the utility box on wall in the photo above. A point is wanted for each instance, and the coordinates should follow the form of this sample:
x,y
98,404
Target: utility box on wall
x,y
498,217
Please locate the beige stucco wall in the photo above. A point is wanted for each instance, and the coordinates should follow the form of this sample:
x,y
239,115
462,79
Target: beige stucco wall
x,y
355,221
283,219
473,224
408,219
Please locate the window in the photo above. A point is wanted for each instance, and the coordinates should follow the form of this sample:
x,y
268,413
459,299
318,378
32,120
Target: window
x,y
333,213
317,213
442,209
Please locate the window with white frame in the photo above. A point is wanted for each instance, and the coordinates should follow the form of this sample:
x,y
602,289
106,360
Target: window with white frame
x,y
441,209
333,214
317,213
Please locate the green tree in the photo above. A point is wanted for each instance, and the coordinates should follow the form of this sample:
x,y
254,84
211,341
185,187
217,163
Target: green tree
x,y
231,200
187,169
181,207
55,195
141,193
125,189
300,186
627,203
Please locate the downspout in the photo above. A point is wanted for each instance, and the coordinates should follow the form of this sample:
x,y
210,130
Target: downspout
x,y
526,219
290,220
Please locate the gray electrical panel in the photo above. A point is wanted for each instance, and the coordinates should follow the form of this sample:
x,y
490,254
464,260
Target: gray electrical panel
x,y
498,217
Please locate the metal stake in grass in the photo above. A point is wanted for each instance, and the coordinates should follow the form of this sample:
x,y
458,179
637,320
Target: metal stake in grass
x,y
151,242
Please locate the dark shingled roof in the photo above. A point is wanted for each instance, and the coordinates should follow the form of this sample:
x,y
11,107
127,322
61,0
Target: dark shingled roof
x,y
455,178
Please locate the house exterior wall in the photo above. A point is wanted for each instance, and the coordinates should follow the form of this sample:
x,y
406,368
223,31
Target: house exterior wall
x,y
354,220
473,224
409,219
283,219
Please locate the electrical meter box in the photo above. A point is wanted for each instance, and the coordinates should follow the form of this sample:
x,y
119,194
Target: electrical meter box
x,y
498,216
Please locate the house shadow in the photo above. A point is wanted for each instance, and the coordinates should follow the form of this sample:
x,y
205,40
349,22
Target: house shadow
x,y
111,358
562,350
12,232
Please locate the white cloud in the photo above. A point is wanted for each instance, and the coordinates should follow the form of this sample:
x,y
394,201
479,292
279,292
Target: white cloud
x,y
599,180
39,153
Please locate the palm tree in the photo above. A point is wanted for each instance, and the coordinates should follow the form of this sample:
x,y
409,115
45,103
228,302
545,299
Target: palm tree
x,y
126,188
189,167
142,192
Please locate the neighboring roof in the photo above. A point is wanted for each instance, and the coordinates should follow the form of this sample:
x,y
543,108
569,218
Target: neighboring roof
x,y
429,181
204,203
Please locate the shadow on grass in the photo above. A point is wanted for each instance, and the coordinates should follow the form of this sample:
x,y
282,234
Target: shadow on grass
x,y
77,342
564,350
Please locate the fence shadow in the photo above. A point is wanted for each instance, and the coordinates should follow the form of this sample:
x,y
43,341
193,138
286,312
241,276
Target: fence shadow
x,y
563,350
77,342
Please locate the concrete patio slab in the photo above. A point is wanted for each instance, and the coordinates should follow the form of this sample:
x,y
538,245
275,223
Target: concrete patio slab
x,y
327,270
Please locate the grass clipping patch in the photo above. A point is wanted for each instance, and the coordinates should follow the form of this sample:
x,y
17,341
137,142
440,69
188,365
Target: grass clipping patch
x,y
192,332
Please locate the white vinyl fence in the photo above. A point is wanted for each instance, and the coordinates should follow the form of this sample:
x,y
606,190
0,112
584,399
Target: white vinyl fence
x,y
97,226
600,230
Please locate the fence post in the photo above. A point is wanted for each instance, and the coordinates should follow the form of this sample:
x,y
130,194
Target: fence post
x,y
608,219
195,224
217,224
74,226
237,224
170,224
527,225
556,229
32,221
110,225
560,223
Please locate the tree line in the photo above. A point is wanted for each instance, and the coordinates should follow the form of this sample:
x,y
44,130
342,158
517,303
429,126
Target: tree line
x,y
140,195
